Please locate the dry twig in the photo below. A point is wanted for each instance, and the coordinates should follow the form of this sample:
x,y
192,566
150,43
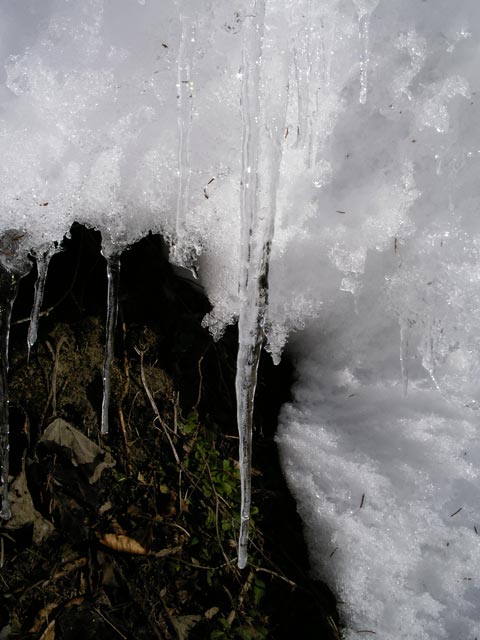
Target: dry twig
x,y
141,353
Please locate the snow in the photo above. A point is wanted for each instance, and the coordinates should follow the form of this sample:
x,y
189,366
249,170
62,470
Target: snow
x,y
364,141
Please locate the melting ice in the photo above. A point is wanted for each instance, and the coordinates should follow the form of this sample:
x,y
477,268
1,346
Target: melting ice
x,y
318,163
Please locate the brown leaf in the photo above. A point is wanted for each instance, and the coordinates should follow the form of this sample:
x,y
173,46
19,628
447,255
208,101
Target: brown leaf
x,y
119,542
69,567
42,617
74,602
212,612
169,551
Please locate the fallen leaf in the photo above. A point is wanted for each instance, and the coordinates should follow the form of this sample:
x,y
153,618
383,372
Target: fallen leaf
x,y
124,544
184,624
169,551
83,451
210,613
23,511
42,617
70,567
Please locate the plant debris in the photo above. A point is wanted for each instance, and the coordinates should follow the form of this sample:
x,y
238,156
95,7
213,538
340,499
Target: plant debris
x,y
134,535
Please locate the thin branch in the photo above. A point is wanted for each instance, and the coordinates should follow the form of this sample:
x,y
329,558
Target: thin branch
x,y
154,405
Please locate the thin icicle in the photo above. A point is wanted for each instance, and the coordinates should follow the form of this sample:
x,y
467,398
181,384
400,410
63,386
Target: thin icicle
x,y
13,266
304,60
186,54
303,83
365,9
364,60
404,353
113,277
429,349
42,258
9,293
263,130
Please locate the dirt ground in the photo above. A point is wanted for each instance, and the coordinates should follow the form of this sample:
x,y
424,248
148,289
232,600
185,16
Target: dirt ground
x,y
133,535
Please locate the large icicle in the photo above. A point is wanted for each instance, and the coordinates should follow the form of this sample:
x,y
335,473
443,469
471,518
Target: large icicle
x,y
113,277
250,319
263,127
14,264
42,258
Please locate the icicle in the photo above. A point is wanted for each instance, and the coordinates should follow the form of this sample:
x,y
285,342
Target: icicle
x,y
9,293
304,59
113,277
364,37
263,131
312,60
246,381
179,254
42,258
249,329
404,353
429,349
365,9
13,266
302,76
